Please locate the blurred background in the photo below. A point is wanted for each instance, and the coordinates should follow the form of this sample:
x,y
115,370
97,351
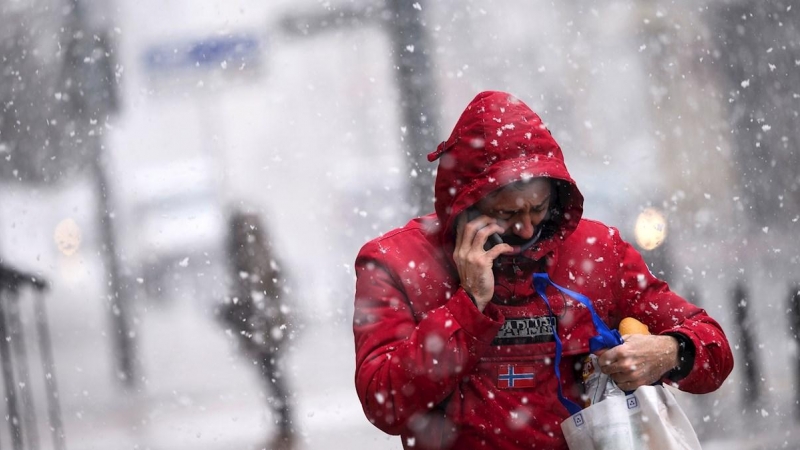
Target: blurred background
x,y
130,131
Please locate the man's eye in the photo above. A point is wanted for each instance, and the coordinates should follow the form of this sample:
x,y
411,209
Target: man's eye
x,y
504,215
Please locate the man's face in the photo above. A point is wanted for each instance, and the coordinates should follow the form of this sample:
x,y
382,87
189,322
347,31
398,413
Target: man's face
x,y
519,208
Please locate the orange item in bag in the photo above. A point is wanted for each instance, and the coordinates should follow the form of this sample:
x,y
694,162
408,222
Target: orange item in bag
x,y
629,325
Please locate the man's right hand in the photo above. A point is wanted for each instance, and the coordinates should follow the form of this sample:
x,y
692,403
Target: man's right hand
x,y
474,264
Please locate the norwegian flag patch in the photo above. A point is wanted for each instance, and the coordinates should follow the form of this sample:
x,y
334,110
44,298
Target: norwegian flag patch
x,y
515,376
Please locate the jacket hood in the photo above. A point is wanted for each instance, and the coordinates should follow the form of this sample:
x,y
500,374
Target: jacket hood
x,y
499,140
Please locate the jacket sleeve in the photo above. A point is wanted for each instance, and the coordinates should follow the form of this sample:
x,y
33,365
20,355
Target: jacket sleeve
x,y
408,364
650,300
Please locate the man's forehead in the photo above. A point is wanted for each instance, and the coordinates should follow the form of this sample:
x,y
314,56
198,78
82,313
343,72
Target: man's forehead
x,y
535,187
518,193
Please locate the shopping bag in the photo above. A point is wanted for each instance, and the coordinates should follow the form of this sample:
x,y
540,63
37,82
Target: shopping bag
x,y
648,418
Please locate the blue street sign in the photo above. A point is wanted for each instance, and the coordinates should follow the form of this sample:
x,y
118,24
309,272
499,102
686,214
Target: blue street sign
x,y
205,53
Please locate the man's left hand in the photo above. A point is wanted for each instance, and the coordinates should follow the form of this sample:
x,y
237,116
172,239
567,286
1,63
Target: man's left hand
x,y
640,361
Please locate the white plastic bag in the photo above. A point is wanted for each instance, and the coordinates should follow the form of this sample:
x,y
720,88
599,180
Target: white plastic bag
x,y
647,419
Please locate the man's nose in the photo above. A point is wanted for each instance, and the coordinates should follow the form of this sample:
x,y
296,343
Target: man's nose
x,y
524,226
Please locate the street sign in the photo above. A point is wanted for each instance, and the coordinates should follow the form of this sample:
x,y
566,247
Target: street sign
x,y
237,52
208,64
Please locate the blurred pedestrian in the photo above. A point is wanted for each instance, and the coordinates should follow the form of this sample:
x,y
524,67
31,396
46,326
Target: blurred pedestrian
x,y
257,314
454,347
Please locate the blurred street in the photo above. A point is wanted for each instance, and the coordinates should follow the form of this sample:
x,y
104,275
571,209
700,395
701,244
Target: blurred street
x,y
197,393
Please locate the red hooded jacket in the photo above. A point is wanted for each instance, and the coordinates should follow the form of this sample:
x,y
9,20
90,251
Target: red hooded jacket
x,y
434,369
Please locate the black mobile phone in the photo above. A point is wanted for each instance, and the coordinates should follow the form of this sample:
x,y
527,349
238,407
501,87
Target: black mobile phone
x,y
493,239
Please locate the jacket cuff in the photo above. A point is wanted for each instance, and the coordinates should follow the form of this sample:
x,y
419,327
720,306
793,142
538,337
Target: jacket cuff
x,y
483,326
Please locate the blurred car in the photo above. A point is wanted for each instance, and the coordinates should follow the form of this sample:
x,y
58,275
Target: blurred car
x,y
177,230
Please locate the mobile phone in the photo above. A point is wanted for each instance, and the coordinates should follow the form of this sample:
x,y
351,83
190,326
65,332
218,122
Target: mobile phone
x,y
493,239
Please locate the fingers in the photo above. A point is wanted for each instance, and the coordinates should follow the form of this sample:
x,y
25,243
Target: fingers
x,y
473,234
460,223
627,375
482,235
617,363
607,356
498,250
639,361
473,263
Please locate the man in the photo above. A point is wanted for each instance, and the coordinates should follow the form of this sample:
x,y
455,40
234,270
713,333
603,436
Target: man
x,y
454,348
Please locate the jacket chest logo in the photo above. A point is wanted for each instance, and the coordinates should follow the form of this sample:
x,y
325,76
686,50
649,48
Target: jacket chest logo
x,y
526,330
515,376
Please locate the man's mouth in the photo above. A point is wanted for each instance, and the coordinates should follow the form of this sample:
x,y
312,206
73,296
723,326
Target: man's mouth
x,y
514,240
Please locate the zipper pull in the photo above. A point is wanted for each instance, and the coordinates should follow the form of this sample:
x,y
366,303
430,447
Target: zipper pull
x,y
517,270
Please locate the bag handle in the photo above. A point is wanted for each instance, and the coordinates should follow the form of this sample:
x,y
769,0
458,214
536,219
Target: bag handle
x,y
606,337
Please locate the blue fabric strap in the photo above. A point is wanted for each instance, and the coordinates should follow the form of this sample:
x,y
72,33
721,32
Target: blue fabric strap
x,y
606,338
